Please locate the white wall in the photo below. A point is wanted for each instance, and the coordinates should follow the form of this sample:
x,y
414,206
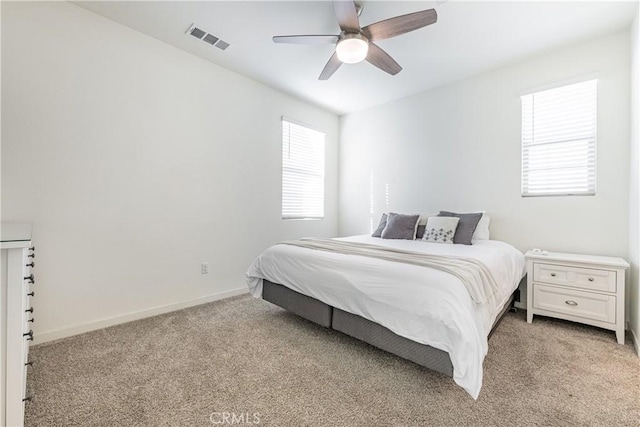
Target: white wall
x,y
633,298
136,161
457,148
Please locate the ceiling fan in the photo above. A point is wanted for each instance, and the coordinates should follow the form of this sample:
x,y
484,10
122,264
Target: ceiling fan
x,y
355,44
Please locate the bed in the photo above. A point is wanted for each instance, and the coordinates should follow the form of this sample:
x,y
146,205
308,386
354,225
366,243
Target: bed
x,y
428,315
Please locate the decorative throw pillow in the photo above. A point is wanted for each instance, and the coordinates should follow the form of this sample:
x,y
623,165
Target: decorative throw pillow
x,y
400,226
422,224
381,225
440,229
466,226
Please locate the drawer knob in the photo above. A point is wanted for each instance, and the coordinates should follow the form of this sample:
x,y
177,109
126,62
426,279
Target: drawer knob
x,y
591,279
28,364
31,264
31,294
33,255
31,320
29,310
30,278
27,399
571,303
29,335
553,274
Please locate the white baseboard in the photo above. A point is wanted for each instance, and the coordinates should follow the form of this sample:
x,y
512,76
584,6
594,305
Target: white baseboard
x,y
636,342
42,337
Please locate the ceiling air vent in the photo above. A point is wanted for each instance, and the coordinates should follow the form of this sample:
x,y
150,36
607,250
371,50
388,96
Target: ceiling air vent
x,y
210,39
196,32
222,44
207,37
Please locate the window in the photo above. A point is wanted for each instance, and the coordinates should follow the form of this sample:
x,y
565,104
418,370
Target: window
x,y
302,172
559,141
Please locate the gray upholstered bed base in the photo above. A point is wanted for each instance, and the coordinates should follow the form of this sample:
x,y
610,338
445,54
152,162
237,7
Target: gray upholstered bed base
x,y
297,303
361,328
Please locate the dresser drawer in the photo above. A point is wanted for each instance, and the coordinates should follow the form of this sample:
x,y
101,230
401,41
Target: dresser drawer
x,y
575,303
577,277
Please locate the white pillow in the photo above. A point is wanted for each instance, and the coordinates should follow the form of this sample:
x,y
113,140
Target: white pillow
x,y
424,217
482,229
440,229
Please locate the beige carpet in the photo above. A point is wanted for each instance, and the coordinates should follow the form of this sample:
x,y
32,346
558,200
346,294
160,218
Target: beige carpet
x,y
269,367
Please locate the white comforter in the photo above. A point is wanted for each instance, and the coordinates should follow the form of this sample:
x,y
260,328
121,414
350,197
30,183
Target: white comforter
x,y
422,304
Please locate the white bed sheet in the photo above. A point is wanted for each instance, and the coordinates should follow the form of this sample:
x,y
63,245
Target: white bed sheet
x,y
422,304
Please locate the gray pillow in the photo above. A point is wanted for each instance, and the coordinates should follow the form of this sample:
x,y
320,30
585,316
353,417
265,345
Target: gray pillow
x,y
381,225
400,226
466,226
420,231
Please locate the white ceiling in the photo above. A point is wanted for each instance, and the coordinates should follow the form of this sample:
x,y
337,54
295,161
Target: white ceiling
x,y
469,38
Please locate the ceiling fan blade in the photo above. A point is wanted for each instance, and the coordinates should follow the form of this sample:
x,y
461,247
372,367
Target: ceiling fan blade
x,y
382,60
399,25
331,67
308,39
347,15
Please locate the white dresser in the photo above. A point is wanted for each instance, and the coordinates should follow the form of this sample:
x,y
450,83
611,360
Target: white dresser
x,y
581,288
16,318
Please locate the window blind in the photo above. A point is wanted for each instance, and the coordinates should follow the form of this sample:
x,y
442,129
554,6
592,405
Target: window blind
x,y
559,141
302,172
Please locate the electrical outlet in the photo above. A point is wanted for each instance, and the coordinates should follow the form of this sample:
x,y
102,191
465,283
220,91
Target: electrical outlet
x,y
204,268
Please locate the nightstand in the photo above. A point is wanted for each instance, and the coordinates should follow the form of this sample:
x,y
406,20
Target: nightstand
x,y
581,288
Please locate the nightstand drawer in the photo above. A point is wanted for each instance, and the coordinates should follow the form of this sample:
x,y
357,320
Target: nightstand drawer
x,y
586,278
575,303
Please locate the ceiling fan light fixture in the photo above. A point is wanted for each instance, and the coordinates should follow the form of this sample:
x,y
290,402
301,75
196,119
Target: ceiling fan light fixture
x,y
352,48
356,43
